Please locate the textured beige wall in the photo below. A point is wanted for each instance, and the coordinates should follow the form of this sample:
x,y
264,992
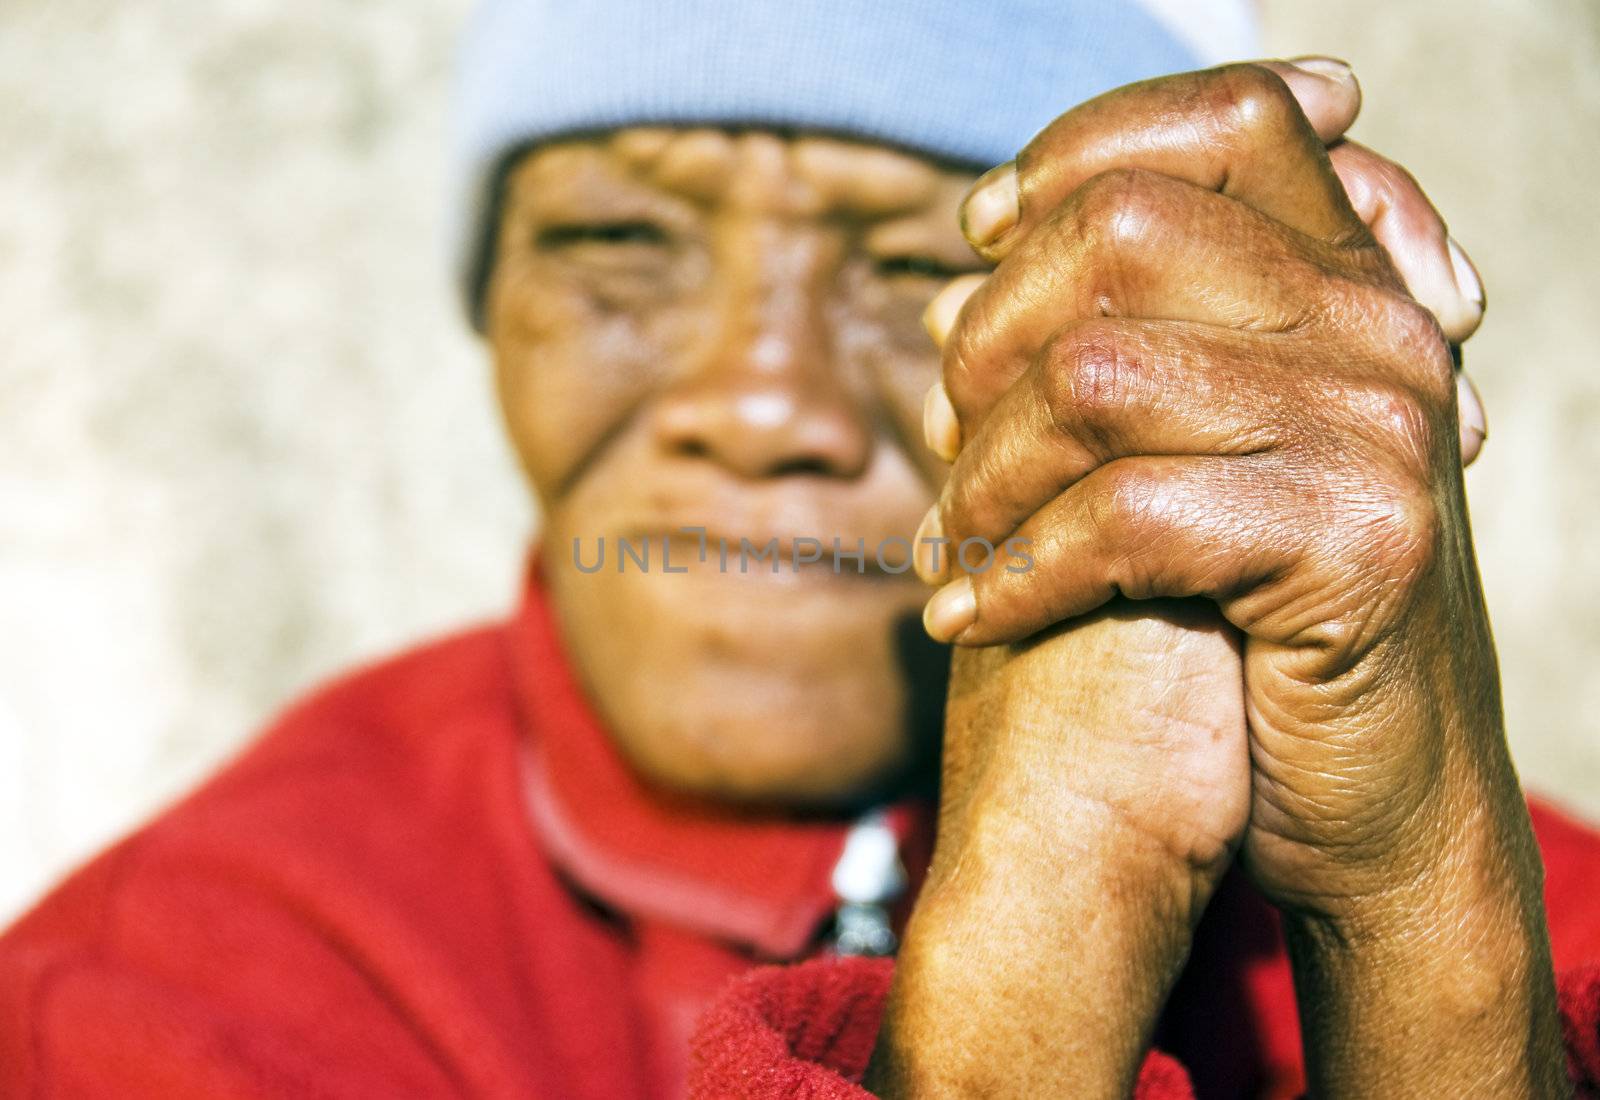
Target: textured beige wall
x,y
244,441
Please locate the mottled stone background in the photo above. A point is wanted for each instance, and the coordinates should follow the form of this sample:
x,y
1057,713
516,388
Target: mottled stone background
x,y
244,439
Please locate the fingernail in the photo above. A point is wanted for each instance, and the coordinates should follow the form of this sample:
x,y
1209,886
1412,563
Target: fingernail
x,y
952,609
1329,68
940,428
1474,425
940,316
930,549
992,207
1467,280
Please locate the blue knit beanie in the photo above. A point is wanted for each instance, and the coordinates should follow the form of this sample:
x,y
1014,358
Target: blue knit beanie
x,y
970,81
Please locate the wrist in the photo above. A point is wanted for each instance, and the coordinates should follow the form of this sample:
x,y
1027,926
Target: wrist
x,y
1084,821
1438,982
1022,976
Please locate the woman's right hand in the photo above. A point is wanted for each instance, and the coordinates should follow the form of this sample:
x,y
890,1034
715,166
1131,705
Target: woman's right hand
x,y
1055,918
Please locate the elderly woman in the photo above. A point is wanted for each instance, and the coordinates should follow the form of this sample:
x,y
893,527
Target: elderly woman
x,y
1223,799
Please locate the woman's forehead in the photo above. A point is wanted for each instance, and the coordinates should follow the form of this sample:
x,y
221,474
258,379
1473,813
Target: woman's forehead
x,y
810,173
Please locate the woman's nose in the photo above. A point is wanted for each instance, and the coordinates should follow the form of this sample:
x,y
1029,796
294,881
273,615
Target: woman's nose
x,y
765,395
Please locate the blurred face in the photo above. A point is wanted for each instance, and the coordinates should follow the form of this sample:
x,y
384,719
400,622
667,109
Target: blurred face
x,y
721,331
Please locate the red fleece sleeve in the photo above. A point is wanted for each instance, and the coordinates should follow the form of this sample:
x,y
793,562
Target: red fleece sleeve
x,y
805,1032
1579,991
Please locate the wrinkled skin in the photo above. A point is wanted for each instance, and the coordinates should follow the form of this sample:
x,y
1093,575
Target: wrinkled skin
x,y
1158,418
723,331
1209,372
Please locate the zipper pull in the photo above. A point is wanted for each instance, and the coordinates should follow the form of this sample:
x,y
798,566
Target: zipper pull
x,y
867,880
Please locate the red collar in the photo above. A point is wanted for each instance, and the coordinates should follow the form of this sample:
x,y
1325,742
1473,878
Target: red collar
x,y
761,882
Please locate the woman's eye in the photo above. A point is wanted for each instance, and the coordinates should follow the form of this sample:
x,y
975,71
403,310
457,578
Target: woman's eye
x,y
566,234
922,267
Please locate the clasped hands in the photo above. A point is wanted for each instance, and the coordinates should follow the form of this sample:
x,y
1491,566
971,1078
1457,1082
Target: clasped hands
x,y
1211,380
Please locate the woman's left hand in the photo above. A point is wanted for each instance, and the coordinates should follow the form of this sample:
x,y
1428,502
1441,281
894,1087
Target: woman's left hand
x,y
1185,378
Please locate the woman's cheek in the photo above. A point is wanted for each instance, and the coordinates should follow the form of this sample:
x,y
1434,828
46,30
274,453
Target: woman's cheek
x,y
900,359
574,380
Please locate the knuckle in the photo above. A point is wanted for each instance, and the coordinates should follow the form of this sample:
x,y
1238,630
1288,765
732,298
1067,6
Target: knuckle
x,y
1137,512
1408,404
1403,420
1111,228
1253,99
964,347
974,492
955,502
1117,207
1398,530
1415,335
1090,373
1125,502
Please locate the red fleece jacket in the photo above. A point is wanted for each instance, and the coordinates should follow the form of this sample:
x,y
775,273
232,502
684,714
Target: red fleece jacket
x,y
436,878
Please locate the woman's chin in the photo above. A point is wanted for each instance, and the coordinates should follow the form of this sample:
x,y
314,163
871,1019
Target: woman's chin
x,y
765,738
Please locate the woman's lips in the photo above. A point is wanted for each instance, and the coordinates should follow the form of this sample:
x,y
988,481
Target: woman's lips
x,y
764,553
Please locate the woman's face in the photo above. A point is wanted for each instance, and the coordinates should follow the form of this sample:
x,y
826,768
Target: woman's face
x,y
720,330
